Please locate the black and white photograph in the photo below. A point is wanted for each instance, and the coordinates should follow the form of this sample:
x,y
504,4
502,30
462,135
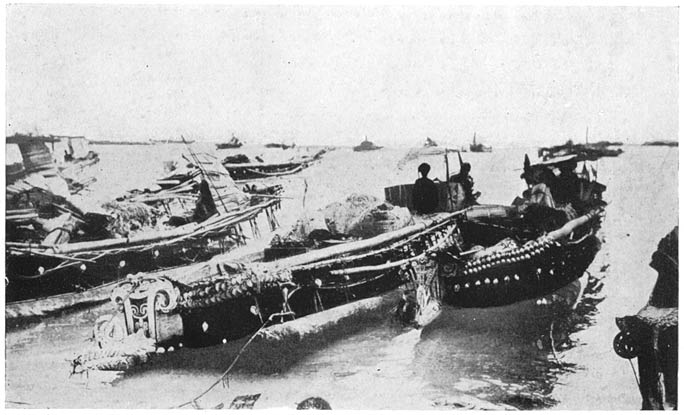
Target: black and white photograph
x,y
341,207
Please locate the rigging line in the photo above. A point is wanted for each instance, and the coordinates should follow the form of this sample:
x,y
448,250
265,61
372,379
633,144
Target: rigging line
x,y
222,378
635,374
204,173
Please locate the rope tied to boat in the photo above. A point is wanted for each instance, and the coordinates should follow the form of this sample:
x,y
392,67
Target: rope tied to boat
x,y
223,379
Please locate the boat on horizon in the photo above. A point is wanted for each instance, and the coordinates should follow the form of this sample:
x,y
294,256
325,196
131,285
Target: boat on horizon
x,y
171,141
279,145
234,142
476,147
587,151
584,152
243,168
664,143
367,146
121,142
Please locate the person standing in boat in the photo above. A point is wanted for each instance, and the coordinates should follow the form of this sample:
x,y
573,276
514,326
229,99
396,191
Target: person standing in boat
x,y
205,206
466,181
425,192
567,184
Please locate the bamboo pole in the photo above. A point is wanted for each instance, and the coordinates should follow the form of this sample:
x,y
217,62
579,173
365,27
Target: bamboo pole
x,y
389,265
358,257
334,251
446,161
569,227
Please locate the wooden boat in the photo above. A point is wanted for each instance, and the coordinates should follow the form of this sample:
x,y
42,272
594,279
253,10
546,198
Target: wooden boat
x,y
662,143
234,142
367,146
35,159
172,141
230,299
279,145
519,252
651,335
476,147
39,272
588,151
533,264
251,170
120,143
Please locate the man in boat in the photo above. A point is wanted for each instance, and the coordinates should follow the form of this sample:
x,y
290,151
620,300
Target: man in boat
x,y
425,192
540,181
205,206
466,181
567,186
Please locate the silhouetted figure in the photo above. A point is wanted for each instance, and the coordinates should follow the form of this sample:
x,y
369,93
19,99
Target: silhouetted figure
x,y
425,192
466,181
540,182
567,186
205,206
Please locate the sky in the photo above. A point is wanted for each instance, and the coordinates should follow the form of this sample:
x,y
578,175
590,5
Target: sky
x,y
333,75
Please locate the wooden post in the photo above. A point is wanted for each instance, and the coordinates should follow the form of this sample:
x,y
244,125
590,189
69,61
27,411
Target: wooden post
x,y
446,161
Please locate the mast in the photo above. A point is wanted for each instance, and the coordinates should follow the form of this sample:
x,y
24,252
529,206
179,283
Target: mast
x,y
446,161
586,136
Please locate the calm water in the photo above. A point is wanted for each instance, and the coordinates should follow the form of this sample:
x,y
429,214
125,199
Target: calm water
x,y
464,359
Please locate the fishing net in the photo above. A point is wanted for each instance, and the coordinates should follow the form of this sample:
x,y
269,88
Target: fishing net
x,y
365,216
340,217
128,217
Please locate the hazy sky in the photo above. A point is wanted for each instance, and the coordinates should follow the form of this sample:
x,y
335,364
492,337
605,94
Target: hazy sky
x,y
332,75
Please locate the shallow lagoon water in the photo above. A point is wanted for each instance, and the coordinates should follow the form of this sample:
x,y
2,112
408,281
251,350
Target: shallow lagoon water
x,y
464,359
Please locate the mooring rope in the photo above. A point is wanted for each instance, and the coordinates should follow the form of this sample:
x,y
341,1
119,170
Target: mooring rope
x,y
635,374
553,346
224,376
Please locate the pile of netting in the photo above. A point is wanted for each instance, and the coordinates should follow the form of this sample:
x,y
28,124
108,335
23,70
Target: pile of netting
x,y
129,217
365,216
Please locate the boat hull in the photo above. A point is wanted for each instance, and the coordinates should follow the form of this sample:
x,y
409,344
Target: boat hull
x,y
94,269
524,277
239,317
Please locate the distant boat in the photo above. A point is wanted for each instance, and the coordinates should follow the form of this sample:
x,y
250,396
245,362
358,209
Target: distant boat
x,y
479,148
367,146
121,143
171,141
588,151
279,145
662,143
232,143
241,167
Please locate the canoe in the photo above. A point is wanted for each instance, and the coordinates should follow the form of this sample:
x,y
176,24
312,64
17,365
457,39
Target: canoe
x,y
228,300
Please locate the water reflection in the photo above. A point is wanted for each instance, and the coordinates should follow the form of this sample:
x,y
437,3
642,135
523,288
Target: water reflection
x,y
501,355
